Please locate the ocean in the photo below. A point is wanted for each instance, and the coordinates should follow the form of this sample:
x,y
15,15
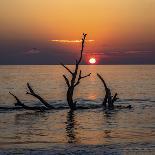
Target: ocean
x,y
84,131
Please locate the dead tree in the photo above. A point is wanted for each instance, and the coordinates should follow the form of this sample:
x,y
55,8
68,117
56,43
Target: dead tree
x,y
76,77
108,97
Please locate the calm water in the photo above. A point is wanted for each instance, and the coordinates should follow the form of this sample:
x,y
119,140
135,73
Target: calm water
x,y
91,131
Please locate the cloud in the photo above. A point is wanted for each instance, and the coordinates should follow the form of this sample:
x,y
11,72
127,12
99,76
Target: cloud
x,y
138,52
70,41
94,53
119,53
33,51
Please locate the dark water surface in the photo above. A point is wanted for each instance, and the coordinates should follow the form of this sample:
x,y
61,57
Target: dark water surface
x,y
91,131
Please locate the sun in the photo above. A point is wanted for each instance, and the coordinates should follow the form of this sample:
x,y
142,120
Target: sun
x,y
92,60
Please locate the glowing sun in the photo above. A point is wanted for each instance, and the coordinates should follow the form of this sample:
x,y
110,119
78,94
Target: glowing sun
x,y
92,60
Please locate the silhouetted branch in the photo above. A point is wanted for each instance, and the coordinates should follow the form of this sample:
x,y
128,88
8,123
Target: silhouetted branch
x,y
115,98
81,77
17,99
67,81
108,97
38,97
102,80
19,103
66,68
83,42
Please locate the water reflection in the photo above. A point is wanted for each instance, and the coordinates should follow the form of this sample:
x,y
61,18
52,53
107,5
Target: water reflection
x,y
70,127
28,126
110,124
28,118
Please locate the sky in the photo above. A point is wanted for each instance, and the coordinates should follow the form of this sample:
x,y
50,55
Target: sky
x,y
49,31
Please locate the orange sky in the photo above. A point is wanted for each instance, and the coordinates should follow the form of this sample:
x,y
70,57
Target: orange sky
x,y
66,19
114,22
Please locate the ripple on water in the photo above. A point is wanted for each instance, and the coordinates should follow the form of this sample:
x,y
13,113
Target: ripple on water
x,y
120,131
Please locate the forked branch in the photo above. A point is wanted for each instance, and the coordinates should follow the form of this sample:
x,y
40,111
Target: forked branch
x,y
38,97
81,77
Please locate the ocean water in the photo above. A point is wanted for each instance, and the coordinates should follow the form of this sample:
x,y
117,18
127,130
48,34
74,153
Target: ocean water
x,y
87,131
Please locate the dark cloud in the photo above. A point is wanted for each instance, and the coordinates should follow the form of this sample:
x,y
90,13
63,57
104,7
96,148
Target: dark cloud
x,y
33,51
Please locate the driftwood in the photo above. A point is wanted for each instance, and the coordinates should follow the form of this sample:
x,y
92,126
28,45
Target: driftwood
x,y
108,97
38,97
19,103
46,106
75,75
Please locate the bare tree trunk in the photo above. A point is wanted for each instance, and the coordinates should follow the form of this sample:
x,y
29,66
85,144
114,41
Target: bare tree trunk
x,y
70,101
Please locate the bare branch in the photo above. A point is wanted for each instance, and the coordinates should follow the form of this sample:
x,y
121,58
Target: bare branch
x,y
67,68
108,98
81,77
102,81
86,76
19,103
83,42
76,62
115,98
38,97
67,81
30,88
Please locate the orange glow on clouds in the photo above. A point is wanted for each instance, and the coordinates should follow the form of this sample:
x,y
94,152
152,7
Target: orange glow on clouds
x,y
70,41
